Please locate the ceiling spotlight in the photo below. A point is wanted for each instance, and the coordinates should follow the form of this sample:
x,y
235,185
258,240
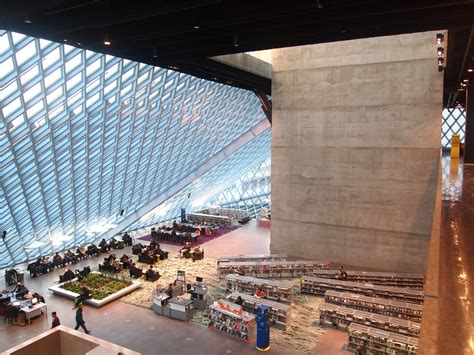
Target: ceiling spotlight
x,y
318,4
439,38
236,42
466,80
107,43
470,70
27,20
196,27
65,40
154,53
440,51
79,43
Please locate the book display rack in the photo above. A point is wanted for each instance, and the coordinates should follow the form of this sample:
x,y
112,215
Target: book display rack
x,y
367,340
414,281
208,218
342,317
243,258
279,312
391,308
319,286
280,291
231,319
268,269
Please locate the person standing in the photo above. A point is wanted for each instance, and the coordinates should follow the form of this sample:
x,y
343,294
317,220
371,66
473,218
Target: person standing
x,y
56,320
80,320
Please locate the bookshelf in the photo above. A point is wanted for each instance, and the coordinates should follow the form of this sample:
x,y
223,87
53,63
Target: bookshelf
x,y
414,281
221,211
269,269
279,312
318,286
208,218
341,317
253,258
391,308
368,340
229,318
280,291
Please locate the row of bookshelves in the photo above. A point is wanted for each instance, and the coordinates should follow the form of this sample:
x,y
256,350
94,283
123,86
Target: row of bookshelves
x,y
253,258
342,317
414,281
279,312
269,269
229,318
318,286
391,308
227,212
368,340
208,218
280,291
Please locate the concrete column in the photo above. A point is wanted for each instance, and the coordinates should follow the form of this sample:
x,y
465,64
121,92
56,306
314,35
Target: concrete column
x,y
355,150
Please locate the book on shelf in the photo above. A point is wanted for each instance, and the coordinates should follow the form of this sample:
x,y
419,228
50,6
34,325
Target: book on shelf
x,y
230,318
318,286
392,308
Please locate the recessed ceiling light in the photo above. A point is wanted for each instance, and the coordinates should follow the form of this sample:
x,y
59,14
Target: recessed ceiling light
x,y
470,70
196,27
27,20
65,40
466,80
79,43
107,43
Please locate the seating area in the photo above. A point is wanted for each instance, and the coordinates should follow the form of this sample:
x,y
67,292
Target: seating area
x,y
71,275
45,264
149,254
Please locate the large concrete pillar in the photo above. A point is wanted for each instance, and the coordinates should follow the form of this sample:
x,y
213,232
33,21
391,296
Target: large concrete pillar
x,y
355,150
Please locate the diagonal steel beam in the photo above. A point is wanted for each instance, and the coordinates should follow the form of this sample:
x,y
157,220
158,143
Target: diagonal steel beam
x,y
228,150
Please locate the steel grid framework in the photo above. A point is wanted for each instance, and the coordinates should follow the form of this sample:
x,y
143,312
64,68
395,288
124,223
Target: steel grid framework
x,y
251,192
85,135
453,122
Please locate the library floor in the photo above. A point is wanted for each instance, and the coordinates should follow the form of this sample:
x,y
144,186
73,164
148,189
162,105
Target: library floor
x,y
142,330
455,333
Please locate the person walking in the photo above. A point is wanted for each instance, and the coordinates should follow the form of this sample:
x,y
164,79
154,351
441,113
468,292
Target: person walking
x,y
80,320
56,320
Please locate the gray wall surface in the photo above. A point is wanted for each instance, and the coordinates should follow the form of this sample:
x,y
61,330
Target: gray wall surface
x,y
355,150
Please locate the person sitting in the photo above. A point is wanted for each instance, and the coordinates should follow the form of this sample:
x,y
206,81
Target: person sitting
x,y
20,290
126,261
135,272
198,253
260,293
184,252
39,297
58,260
92,250
85,294
175,225
104,246
151,275
114,244
342,274
69,275
127,239
137,249
81,252
69,257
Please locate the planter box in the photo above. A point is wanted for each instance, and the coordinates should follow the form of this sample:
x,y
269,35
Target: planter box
x,y
91,301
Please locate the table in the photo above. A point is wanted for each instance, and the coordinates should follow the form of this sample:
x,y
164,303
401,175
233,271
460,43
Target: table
x,y
35,311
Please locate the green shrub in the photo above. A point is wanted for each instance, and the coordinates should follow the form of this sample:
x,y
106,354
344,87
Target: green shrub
x,y
100,286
